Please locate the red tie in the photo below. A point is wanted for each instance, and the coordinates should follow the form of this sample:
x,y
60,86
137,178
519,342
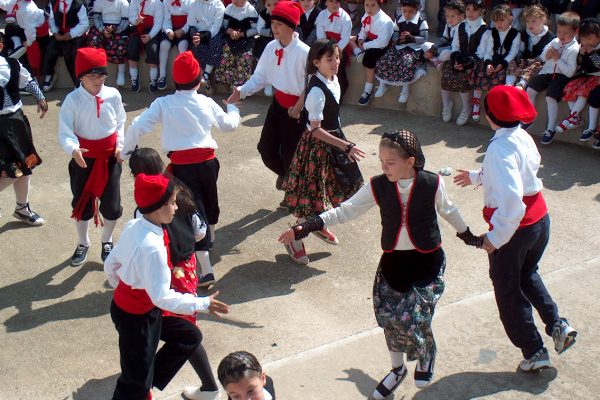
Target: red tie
x,y
142,7
279,55
367,21
64,12
167,241
176,3
14,9
98,102
333,15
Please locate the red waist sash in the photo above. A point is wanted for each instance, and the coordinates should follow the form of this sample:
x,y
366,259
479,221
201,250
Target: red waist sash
x,y
178,21
535,209
285,100
133,301
146,25
191,156
333,36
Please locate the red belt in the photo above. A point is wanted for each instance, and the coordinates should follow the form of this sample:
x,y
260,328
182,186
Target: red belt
x,y
146,25
191,156
132,301
333,36
42,30
285,100
178,21
535,209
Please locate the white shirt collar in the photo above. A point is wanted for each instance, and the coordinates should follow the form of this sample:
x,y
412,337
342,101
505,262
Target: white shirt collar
x,y
414,19
544,31
504,132
474,25
152,227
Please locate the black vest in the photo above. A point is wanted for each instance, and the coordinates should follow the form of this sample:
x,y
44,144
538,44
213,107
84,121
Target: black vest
x,y
537,49
306,26
265,16
331,111
12,87
589,63
413,29
181,237
72,18
240,25
501,50
421,216
469,44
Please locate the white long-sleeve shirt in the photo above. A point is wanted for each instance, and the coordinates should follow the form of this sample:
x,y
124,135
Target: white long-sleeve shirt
x,y
363,200
471,27
24,79
509,172
187,118
381,25
287,77
79,116
79,29
205,15
514,47
170,8
315,99
111,12
341,24
28,16
152,8
139,260
566,64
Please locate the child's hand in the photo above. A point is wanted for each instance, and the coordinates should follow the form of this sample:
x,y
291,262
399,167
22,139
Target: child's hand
x,y
294,111
140,20
179,33
556,55
489,70
498,68
217,307
78,157
118,155
550,53
462,179
428,55
171,35
355,154
487,245
235,96
287,236
42,108
145,38
196,39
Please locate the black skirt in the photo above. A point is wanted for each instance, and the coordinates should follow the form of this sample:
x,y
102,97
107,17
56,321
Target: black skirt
x,y
17,153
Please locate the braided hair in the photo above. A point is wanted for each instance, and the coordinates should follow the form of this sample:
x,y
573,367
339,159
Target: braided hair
x,y
237,366
406,144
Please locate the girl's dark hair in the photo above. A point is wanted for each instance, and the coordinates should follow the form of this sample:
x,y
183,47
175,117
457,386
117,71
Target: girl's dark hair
x,y
590,26
146,160
320,48
410,3
237,366
457,5
1,37
478,4
500,12
406,144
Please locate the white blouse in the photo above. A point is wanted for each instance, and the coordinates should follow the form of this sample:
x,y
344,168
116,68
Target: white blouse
x,y
315,100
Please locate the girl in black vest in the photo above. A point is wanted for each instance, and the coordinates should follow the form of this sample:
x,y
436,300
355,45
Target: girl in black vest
x,y
534,37
409,279
323,171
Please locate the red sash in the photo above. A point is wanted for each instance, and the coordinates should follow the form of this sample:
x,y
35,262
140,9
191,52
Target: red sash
x,y
285,100
101,150
42,30
146,25
132,301
178,21
191,156
184,280
535,209
333,36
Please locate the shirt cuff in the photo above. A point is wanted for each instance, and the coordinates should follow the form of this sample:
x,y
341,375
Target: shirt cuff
x,y
202,304
232,108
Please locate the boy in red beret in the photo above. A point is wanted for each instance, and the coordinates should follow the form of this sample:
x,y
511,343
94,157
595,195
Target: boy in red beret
x,y
187,119
283,66
519,227
90,130
140,269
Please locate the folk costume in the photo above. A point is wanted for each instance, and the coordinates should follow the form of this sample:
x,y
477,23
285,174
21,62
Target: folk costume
x,y
307,28
528,62
174,18
151,13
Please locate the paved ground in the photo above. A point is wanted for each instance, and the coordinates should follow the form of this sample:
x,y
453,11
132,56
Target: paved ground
x,y
313,327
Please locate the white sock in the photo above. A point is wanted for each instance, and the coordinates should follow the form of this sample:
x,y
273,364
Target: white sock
x,y
571,105
21,188
445,99
356,51
592,119
532,95
82,232
182,46
212,233
107,231
444,55
397,358
121,70
476,95
163,57
466,101
6,182
578,105
368,87
133,71
405,89
511,80
16,42
203,260
552,112
153,73
208,69
48,78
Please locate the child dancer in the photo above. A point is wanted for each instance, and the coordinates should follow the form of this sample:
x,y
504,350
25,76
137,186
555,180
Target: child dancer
x,y
334,23
307,28
502,46
18,156
146,16
186,228
519,227
140,269
454,11
375,34
533,40
404,63
187,119
174,19
239,29
242,376
578,90
409,280
68,23
283,65
560,64
324,169
14,33
205,19
110,31
468,47
263,26
90,129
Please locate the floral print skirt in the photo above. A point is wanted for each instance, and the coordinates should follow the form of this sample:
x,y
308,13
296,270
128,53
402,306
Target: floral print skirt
x,y
115,46
454,80
406,316
397,67
482,81
525,68
580,87
234,69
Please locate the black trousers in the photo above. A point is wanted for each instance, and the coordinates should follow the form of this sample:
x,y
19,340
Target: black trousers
x,y
342,75
518,286
56,49
135,45
594,99
110,201
279,138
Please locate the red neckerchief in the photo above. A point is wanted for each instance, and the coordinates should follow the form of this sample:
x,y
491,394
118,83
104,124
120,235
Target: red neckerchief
x,y
176,3
279,55
366,21
143,4
333,15
64,12
98,102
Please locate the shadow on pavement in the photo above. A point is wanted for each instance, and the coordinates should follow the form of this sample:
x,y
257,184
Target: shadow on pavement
x,y
22,295
12,225
364,383
96,389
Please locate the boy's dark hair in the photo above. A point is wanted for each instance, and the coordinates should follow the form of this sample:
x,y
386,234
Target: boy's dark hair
x,y
146,160
320,48
457,5
184,199
500,12
410,3
477,4
237,366
570,19
590,26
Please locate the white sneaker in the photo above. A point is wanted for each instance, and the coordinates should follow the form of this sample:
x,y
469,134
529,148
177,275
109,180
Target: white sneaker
x,y
539,360
194,393
447,112
403,95
297,252
359,57
18,52
269,91
49,84
380,90
463,118
563,335
121,80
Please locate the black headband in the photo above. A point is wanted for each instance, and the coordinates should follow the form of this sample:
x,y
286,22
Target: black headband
x,y
161,202
409,142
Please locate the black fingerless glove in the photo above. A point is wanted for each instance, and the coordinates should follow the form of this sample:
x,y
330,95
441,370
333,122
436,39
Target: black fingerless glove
x,y
470,239
304,229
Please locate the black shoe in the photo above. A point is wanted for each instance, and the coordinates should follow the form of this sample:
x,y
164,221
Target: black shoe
x,y
162,83
49,84
395,378
30,218
106,249
547,137
153,88
80,255
206,280
365,97
423,379
279,182
135,85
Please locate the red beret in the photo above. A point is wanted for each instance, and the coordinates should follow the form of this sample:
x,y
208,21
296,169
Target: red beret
x,y
90,60
186,70
151,192
507,105
288,12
